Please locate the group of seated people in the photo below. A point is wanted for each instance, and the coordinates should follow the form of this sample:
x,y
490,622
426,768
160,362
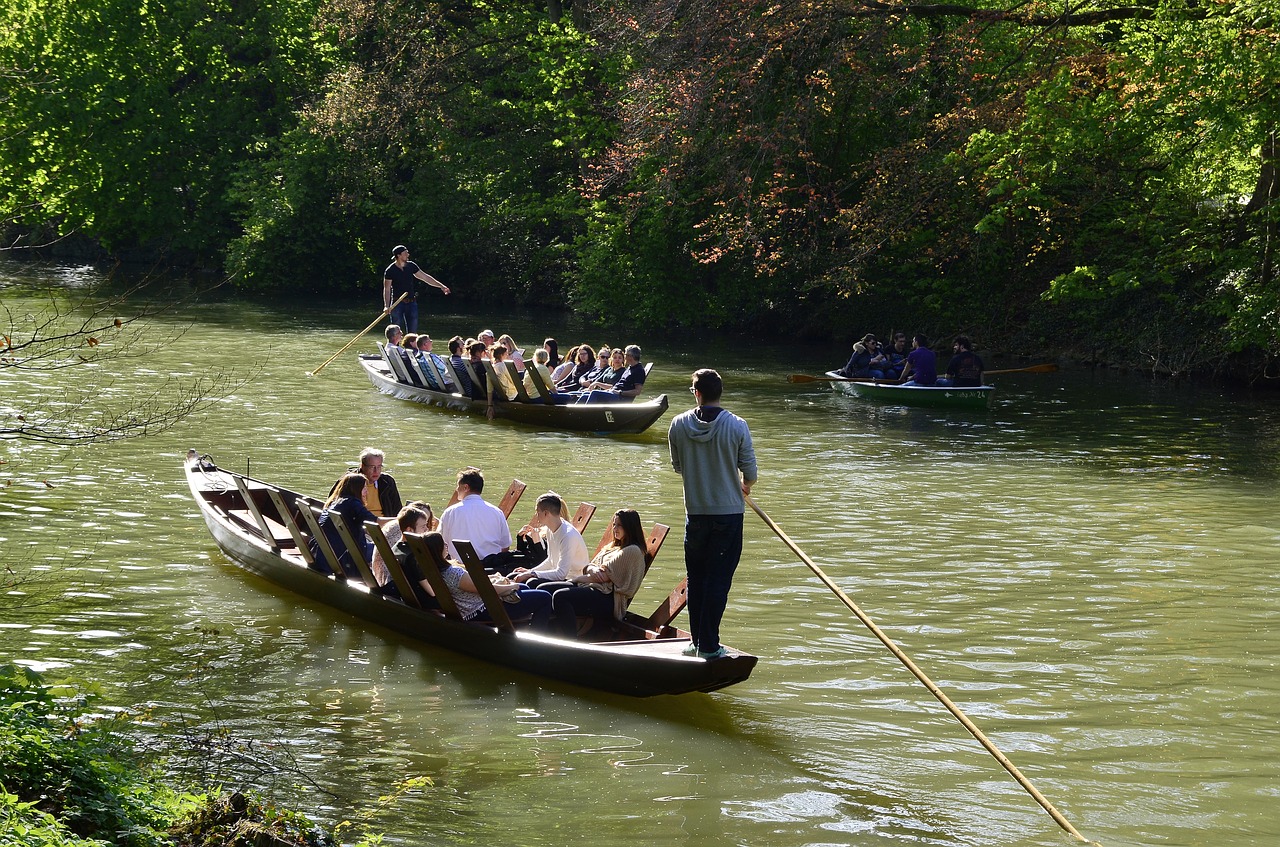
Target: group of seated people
x,y
548,578
614,375
917,366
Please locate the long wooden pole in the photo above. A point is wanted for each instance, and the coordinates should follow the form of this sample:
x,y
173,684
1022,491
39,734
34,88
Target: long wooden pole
x,y
924,679
375,322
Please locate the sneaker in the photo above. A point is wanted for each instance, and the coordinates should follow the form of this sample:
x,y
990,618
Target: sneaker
x,y
691,650
718,653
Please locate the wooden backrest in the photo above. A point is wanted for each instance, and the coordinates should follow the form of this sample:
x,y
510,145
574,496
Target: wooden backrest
x,y
355,549
518,380
429,565
471,372
669,608
653,543
393,362
407,594
286,518
452,375
435,377
582,517
539,384
252,506
492,602
416,373
509,500
309,512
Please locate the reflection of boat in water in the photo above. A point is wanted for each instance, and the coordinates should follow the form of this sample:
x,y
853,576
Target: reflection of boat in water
x,y
577,417
257,525
934,396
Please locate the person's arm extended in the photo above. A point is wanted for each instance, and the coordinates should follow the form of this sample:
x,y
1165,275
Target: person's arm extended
x,y
386,293
430,280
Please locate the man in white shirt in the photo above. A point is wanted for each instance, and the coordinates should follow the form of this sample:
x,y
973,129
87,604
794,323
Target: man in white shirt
x,y
472,519
566,551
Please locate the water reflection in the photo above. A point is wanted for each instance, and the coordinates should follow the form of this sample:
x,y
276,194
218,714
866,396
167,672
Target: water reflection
x,y
1087,567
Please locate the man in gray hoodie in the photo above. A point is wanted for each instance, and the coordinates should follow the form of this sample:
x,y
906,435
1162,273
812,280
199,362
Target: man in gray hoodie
x,y
711,450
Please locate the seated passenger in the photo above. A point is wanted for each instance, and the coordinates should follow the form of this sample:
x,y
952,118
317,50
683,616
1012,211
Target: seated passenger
x,y
478,353
425,354
628,386
540,358
347,505
606,587
394,532
609,377
922,365
601,365
456,349
583,365
514,354
412,518
553,352
566,551
505,389
865,362
528,601
965,368
382,495
896,356
565,367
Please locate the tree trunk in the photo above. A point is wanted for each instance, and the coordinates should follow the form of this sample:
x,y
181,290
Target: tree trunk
x,y
555,10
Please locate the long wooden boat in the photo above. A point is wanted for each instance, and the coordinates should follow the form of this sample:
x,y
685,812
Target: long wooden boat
x,y
933,396
599,418
254,524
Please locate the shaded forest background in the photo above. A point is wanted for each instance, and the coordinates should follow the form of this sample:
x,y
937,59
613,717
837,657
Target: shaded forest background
x,y
1095,180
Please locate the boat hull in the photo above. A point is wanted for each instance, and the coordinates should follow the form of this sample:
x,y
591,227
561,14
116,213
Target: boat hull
x,y
638,667
600,418
937,397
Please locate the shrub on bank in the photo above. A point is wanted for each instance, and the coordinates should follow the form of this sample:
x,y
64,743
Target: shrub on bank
x,y
71,778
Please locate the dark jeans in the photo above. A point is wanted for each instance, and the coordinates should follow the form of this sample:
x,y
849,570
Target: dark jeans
x,y
532,602
405,316
712,548
570,600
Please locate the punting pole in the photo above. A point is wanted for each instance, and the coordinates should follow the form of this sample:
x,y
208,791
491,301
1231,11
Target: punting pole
x,y
924,679
385,312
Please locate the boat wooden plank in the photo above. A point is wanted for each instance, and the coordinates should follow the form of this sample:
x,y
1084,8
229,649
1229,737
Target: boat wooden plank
x,y
356,550
509,500
309,513
398,577
539,385
429,566
252,506
669,608
582,517
475,569
285,515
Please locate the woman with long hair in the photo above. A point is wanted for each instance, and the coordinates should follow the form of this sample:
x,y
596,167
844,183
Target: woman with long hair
x,y
528,601
585,362
607,585
345,504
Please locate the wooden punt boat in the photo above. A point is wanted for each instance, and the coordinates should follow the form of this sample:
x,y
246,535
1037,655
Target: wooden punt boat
x,y
255,524
938,397
599,418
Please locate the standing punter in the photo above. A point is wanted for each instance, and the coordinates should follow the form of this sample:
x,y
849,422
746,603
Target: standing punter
x,y
401,276
711,450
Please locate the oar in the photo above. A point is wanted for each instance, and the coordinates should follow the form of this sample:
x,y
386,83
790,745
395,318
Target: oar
x,y
920,675
1033,369
375,322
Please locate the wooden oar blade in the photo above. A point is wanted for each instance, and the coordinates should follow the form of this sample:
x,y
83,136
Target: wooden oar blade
x,y
802,378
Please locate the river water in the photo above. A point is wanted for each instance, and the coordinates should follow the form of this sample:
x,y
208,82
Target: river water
x,y
1088,570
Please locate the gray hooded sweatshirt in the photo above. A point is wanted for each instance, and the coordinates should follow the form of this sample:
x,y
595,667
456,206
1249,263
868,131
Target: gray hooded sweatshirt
x,y
709,456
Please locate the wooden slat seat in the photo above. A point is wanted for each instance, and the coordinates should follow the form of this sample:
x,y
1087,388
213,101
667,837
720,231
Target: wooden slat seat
x,y
582,517
509,500
310,513
357,553
429,565
279,538
540,386
394,363
398,577
286,516
492,602
517,380
669,608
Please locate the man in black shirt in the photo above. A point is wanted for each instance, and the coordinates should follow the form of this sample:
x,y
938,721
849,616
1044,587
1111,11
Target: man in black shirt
x,y
965,368
401,277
